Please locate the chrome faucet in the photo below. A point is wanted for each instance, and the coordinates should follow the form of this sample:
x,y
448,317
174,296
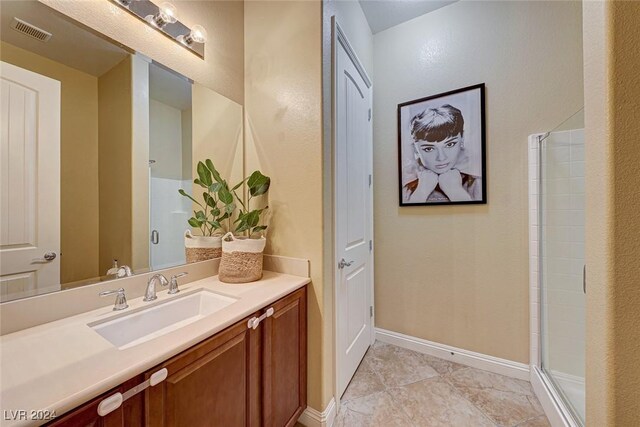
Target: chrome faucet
x,y
150,293
119,271
124,271
121,299
173,286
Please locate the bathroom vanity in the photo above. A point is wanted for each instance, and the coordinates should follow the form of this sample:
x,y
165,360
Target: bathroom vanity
x,y
243,365
239,377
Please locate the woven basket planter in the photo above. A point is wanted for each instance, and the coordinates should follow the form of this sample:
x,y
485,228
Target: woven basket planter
x,y
201,248
241,259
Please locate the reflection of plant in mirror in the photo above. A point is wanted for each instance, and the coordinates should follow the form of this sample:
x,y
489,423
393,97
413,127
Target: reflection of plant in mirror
x,y
248,221
217,201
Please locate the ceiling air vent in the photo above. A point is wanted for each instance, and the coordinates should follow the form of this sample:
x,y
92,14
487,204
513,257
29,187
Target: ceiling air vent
x,y
30,30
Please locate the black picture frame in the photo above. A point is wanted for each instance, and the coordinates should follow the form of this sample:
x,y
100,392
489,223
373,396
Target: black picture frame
x,y
421,123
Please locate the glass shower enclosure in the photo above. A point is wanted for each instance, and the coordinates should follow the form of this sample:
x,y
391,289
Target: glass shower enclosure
x,y
561,258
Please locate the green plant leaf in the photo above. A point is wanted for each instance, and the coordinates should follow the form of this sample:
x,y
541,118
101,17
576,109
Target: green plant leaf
x,y
215,224
182,192
194,223
230,208
223,217
215,187
214,172
200,216
204,174
225,195
209,200
238,185
242,227
253,217
258,229
200,183
215,212
241,217
258,183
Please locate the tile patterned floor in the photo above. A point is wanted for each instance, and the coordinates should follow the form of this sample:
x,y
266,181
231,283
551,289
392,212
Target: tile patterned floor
x,y
395,387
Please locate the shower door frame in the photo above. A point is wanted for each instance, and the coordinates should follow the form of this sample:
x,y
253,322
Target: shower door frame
x,y
557,410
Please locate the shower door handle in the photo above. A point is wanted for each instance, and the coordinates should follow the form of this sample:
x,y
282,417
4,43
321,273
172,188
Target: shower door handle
x,y
584,279
155,237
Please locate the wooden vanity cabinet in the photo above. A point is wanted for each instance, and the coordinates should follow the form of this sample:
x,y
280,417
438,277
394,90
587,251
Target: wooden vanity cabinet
x,y
210,384
284,349
240,377
130,414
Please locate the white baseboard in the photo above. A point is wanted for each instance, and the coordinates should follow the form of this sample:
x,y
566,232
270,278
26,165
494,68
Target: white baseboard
x,y
312,418
464,357
554,408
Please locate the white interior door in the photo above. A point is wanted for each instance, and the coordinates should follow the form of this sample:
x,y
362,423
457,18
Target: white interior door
x,y
353,216
30,183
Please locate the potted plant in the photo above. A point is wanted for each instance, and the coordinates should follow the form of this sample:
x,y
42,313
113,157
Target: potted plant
x,y
243,247
216,206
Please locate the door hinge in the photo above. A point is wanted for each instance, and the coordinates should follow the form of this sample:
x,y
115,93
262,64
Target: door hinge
x,y
369,114
370,311
370,245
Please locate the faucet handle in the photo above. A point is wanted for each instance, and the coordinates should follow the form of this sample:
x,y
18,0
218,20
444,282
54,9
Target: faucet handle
x,y
121,299
173,287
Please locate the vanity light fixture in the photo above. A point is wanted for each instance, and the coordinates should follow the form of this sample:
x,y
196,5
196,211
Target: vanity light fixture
x,y
164,18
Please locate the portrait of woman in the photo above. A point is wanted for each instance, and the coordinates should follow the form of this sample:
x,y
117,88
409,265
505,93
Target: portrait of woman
x,y
442,148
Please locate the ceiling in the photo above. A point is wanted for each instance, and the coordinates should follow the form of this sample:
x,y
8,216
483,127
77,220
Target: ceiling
x,y
383,14
70,44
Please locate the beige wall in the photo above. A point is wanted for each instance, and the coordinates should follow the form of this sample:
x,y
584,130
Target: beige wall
x,y
458,275
222,68
284,139
612,108
216,134
114,149
79,161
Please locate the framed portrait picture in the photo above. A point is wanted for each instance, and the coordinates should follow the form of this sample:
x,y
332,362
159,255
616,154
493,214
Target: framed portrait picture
x,y
442,149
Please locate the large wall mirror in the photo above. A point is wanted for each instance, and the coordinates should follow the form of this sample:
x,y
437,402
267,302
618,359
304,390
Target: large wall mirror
x,y
96,142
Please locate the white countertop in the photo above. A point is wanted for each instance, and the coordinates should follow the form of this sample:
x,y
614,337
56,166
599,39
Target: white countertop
x,y
60,365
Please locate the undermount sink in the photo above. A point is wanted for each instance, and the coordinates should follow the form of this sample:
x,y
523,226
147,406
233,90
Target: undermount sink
x,y
159,319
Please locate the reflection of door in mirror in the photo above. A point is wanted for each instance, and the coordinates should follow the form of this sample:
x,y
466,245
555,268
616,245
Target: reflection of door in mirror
x,y
169,165
30,174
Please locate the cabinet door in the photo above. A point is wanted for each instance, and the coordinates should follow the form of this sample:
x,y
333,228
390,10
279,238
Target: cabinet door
x,y
130,414
284,349
212,384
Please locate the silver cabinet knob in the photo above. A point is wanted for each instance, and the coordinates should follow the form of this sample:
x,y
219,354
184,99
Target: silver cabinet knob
x,y
342,264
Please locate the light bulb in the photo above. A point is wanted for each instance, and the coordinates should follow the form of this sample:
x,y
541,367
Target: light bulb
x,y
168,12
198,34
